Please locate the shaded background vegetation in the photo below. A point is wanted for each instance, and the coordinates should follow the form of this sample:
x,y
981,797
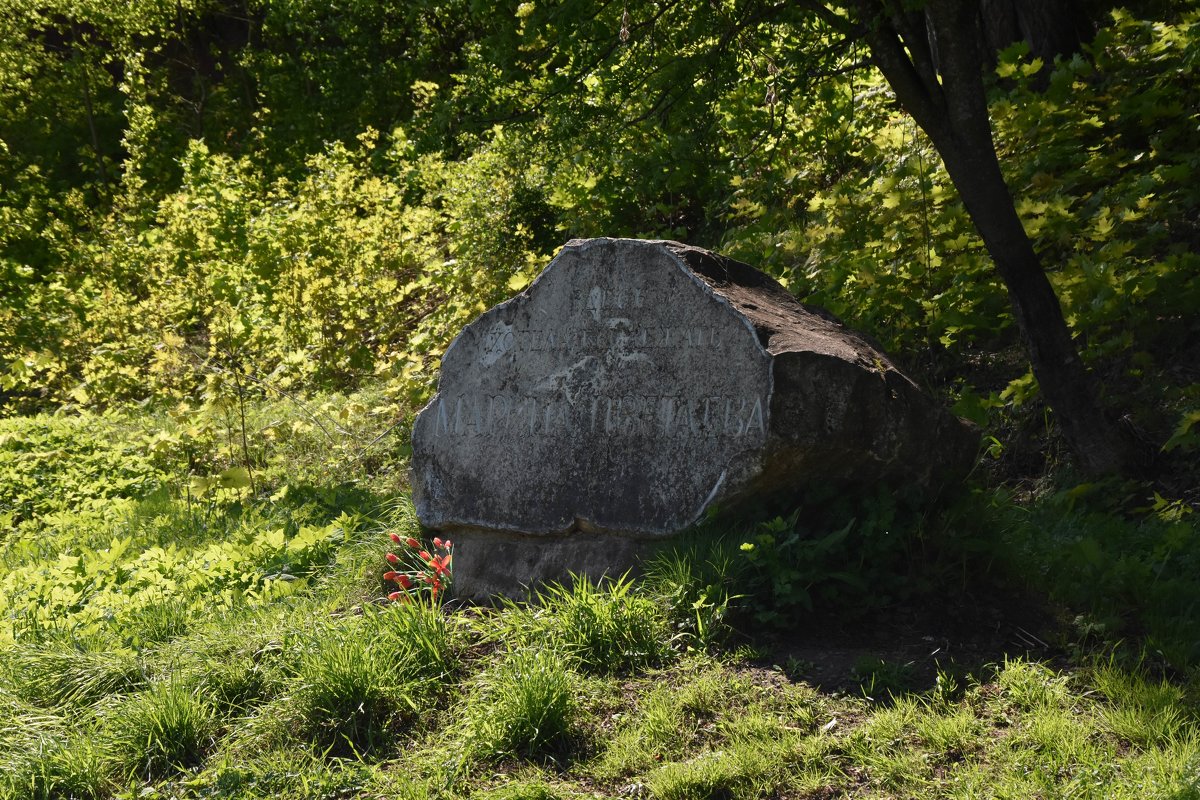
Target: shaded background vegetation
x,y
305,196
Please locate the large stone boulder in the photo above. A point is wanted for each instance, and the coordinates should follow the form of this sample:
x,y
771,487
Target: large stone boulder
x,y
634,385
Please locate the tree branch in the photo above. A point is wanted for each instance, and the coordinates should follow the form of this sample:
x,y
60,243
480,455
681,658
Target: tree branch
x,y
924,102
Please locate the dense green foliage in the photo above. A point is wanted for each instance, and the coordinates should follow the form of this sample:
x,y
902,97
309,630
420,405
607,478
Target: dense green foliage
x,y
113,519
287,197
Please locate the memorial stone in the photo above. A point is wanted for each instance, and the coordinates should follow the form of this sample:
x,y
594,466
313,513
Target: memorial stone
x,y
634,385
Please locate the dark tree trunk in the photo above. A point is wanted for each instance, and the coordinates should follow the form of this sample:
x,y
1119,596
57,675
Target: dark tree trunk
x,y
1050,27
934,63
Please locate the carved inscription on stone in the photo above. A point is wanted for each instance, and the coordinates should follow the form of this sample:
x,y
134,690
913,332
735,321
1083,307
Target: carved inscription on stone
x,y
631,415
617,393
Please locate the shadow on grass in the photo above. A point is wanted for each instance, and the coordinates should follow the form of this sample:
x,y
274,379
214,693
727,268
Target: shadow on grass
x,y
321,504
916,648
870,594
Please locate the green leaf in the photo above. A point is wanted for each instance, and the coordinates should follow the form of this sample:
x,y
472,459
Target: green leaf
x,y
1184,437
1032,68
234,478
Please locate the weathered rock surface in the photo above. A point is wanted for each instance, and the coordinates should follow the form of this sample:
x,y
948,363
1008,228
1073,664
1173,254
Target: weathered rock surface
x,y
633,385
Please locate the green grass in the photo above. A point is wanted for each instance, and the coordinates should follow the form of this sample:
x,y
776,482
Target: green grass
x,y
253,656
524,706
608,627
62,673
75,765
161,730
1142,711
360,680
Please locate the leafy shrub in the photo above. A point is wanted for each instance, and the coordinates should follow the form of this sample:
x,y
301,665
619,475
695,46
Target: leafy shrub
x,y
56,464
1127,575
843,555
86,588
243,284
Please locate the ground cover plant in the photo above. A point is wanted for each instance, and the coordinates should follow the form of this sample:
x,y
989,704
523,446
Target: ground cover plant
x,y
676,685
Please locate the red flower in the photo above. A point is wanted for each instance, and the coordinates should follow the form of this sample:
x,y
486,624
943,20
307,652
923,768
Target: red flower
x,y
429,573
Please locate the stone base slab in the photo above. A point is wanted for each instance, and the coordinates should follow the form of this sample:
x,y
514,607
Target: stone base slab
x,y
489,564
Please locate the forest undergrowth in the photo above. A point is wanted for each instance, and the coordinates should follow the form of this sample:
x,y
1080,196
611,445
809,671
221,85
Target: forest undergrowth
x,y
172,633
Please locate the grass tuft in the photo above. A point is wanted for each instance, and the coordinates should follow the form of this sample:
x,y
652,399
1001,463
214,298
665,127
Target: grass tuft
x,y
59,673
290,772
657,729
362,678
1030,686
746,767
524,707
694,585
164,729
79,768
609,627
1144,712
523,790
45,754
951,736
